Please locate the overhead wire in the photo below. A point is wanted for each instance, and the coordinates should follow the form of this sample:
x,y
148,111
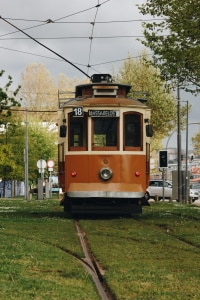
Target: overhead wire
x,y
92,33
91,38
87,22
82,37
66,60
59,59
48,20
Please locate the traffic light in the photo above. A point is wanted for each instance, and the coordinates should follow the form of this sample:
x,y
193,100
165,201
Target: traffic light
x,y
163,159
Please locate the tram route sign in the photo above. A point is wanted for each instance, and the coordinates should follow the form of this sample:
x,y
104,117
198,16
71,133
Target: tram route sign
x,y
78,111
103,113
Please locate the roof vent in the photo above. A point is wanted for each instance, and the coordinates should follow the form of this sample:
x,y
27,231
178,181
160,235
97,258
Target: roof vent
x,y
98,78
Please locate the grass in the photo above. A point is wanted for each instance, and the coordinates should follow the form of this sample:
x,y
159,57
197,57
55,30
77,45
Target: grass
x,y
150,256
37,251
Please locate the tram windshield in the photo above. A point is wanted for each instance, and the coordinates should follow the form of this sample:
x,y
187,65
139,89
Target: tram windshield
x,y
105,132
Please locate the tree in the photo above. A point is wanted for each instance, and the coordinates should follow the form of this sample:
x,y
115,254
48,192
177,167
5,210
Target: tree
x,y
41,144
8,167
39,92
147,84
196,143
175,39
7,99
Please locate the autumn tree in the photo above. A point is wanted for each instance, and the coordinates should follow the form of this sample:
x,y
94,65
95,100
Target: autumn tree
x,y
39,92
175,39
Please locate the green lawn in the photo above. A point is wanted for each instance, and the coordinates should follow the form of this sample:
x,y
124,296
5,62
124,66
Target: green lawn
x,y
150,256
38,253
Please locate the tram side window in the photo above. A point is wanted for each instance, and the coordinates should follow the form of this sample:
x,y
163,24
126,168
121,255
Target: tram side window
x,y
78,136
132,130
105,132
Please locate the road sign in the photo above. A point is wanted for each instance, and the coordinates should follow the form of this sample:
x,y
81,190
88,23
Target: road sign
x,y
50,163
41,164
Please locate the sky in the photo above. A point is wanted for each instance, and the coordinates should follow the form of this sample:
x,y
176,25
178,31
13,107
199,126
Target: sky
x,y
98,33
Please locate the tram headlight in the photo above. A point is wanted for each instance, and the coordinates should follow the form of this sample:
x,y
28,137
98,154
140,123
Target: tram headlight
x,y
105,173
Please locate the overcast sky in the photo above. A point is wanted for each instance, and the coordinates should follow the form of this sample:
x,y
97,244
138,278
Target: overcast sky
x,y
117,27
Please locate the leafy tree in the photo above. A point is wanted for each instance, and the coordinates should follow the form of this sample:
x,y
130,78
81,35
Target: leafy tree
x,y
175,39
41,144
146,83
7,99
196,143
8,166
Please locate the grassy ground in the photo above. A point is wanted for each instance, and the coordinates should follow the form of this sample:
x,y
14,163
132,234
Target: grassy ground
x,y
36,253
150,256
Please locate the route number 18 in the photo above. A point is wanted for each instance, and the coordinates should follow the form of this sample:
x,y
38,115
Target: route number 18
x,y
78,111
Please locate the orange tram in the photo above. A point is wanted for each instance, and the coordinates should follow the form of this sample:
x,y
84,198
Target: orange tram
x,y
103,149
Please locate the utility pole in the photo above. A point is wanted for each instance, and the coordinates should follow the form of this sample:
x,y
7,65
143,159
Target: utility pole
x,y
26,160
186,162
179,145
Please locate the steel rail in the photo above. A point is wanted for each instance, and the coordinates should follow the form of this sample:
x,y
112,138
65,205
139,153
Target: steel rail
x,y
92,266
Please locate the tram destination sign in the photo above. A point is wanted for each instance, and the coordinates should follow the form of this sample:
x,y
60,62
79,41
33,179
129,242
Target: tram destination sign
x,y
103,113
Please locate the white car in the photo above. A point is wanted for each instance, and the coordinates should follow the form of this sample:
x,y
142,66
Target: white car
x,y
155,189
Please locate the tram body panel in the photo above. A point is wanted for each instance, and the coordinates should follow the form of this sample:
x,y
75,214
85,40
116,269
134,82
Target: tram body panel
x,y
83,174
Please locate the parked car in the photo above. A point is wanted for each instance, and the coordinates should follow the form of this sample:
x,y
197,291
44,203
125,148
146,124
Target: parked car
x,y
196,188
155,189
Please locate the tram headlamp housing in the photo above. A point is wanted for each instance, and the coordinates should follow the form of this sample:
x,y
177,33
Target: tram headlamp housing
x,y
105,173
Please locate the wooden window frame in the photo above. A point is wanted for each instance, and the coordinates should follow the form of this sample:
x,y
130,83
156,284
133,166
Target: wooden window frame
x,y
133,148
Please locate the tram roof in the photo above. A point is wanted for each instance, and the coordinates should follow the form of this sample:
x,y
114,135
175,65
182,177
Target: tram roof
x,y
81,87
104,101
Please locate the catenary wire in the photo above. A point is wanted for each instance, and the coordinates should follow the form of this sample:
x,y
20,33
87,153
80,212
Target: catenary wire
x,y
66,60
49,20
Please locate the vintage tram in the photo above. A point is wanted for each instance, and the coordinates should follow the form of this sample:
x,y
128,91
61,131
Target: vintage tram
x,y
103,149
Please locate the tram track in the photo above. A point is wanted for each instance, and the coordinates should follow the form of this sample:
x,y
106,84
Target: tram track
x,y
92,266
88,261
167,231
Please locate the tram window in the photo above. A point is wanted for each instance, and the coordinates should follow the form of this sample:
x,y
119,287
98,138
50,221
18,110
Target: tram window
x,y
132,130
77,135
105,132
